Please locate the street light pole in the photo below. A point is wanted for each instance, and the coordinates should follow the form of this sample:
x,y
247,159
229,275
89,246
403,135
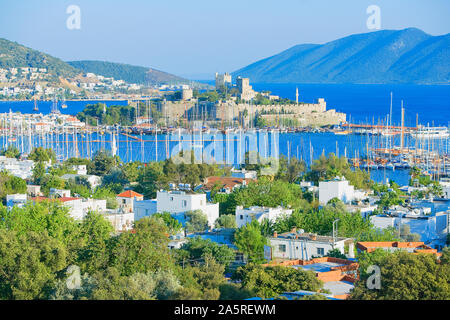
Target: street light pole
x,y
335,229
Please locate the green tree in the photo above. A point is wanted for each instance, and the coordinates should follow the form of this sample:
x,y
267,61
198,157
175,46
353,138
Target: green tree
x,y
198,248
10,152
250,241
269,282
150,180
407,276
39,172
101,164
143,250
196,221
227,221
10,184
93,253
172,224
41,154
108,195
29,264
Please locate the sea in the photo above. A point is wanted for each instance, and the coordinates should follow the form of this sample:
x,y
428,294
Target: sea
x,y
429,104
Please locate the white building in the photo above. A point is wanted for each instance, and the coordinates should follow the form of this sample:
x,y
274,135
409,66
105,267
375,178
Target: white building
x,y
244,174
223,80
19,168
78,207
59,193
127,199
80,169
18,200
121,221
433,229
144,208
338,188
179,202
93,180
247,215
299,245
34,191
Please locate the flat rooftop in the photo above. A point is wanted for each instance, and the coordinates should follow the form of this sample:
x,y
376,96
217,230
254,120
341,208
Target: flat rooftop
x,y
338,287
319,267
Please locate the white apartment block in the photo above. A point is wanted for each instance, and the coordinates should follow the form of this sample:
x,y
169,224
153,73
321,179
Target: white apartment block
x,y
179,202
338,188
19,168
247,215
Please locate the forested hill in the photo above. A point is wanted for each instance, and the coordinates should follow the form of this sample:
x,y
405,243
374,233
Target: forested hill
x,y
387,56
14,55
126,72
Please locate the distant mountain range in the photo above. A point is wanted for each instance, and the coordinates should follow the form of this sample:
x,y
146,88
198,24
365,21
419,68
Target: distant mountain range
x,y
14,55
387,56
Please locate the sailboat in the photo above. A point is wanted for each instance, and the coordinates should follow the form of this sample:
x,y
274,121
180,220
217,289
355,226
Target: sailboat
x,y
55,105
35,108
63,104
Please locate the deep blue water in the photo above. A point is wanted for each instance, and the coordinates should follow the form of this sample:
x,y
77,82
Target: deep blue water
x,y
362,103
370,103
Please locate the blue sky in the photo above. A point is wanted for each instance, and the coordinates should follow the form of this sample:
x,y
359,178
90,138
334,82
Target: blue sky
x,y
198,37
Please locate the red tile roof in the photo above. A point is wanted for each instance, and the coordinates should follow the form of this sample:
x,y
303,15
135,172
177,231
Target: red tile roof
x,y
130,194
225,182
418,247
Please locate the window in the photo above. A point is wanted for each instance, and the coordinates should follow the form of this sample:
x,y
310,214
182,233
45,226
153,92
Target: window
x,y
171,198
282,248
124,201
241,217
320,251
184,203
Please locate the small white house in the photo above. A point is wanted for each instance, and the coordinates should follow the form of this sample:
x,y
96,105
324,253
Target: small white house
x,y
59,193
121,221
338,188
78,207
299,245
127,199
80,169
247,215
144,208
34,191
18,200
179,202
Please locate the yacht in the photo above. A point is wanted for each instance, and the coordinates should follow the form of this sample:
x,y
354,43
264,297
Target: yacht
x,y
431,132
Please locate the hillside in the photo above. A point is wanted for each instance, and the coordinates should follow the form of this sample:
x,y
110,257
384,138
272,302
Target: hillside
x,y
387,56
126,72
13,55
